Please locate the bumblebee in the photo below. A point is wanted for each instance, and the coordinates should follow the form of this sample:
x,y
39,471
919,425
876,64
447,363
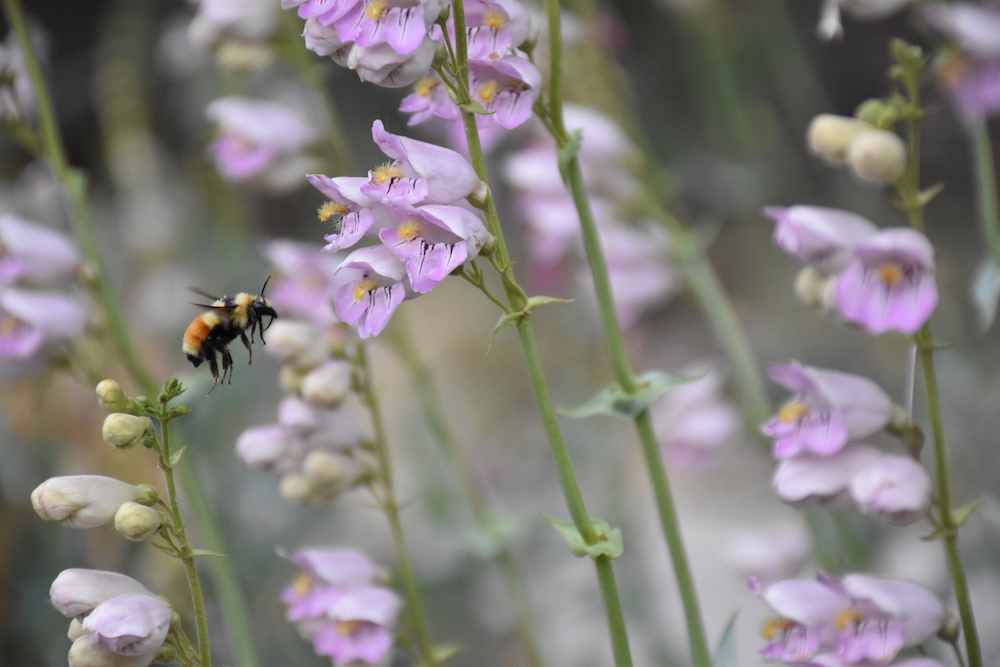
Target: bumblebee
x,y
211,332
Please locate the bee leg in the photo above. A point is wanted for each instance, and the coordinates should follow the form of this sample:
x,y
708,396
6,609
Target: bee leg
x,y
213,366
227,365
246,343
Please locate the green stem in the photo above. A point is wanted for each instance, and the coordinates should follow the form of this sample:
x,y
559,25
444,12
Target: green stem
x,y
908,188
75,186
986,182
571,491
386,496
485,519
186,554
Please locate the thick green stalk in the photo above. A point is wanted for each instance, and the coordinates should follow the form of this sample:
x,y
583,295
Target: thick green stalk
x,y
385,494
488,523
518,300
616,349
75,185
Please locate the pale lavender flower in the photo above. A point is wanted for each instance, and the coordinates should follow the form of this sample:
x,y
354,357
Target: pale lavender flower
x,y
34,320
884,617
239,20
382,65
361,626
828,409
76,592
972,75
494,27
400,24
86,501
506,87
303,288
889,284
335,605
260,141
368,288
894,490
831,660
34,252
693,421
639,269
825,479
975,27
323,41
429,99
806,616
448,176
267,447
324,11
130,624
822,237
433,240
350,210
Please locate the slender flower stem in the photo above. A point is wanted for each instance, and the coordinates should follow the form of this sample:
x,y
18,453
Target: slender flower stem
x,y
384,492
517,300
486,520
986,182
616,349
75,186
186,554
908,188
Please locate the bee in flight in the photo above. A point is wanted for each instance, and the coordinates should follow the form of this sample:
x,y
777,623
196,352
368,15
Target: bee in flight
x,y
211,332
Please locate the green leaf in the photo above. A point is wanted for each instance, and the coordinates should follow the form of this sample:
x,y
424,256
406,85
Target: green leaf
x,y
475,107
938,533
176,456
725,652
962,514
612,400
536,302
206,552
925,196
178,410
609,543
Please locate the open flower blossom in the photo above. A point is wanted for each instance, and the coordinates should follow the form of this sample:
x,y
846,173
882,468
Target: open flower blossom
x,y
369,287
828,409
822,237
34,252
261,141
808,478
855,620
894,490
337,605
972,74
302,288
86,501
889,283
130,624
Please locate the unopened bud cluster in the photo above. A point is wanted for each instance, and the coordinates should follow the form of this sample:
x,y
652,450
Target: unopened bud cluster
x,y
319,445
873,155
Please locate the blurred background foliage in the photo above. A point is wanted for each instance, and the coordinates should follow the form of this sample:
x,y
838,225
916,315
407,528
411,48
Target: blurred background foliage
x,y
718,92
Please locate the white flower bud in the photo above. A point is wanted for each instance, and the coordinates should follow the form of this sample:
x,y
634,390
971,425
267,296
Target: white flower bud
x,y
77,591
877,156
86,652
137,522
331,473
809,286
830,137
86,501
328,384
290,379
111,396
297,343
124,431
297,488
75,629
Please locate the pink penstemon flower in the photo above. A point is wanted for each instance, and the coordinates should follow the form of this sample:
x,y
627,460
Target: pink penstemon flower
x,y
828,409
822,237
368,288
506,87
889,284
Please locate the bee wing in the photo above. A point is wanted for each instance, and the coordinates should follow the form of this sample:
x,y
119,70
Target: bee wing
x,y
201,292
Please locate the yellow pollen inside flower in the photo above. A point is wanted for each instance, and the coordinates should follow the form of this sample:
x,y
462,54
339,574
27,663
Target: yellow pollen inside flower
x,y
409,230
424,87
386,172
494,19
890,273
847,618
488,90
363,287
375,9
302,584
345,628
773,626
330,209
792,411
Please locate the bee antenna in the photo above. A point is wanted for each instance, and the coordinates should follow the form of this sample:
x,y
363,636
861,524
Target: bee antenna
x,y
264,287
